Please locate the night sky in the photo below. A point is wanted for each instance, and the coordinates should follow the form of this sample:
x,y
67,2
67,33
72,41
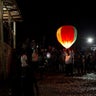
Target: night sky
x,y
42,19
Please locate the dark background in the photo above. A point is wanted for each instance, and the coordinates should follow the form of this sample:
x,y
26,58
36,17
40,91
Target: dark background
x,y
41,19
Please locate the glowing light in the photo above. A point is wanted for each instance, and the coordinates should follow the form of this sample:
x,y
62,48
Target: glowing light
x,y
66,35
48,55
90,40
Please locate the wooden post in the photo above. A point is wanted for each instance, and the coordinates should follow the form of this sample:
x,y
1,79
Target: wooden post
x,y
14,34
2,65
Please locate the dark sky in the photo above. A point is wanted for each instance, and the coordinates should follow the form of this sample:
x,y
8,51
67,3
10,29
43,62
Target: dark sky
x,y
44,18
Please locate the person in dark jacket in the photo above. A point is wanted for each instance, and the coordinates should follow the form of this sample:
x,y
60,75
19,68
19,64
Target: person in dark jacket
x,y
14,74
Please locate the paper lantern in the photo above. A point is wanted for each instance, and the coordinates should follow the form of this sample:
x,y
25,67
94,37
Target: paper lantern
x,y
66,35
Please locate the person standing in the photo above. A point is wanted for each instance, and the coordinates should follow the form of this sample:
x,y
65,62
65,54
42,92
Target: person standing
x,y
27,77
14,74
68,63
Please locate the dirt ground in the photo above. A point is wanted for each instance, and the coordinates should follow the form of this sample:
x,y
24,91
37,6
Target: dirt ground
x,y
60,85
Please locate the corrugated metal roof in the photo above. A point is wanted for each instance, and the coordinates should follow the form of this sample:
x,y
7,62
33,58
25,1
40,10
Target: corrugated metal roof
x,y
10,7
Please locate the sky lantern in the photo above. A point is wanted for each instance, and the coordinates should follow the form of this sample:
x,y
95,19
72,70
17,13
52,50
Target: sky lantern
x,y
66,35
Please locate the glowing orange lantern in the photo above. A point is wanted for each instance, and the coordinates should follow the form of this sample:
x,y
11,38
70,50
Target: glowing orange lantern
x,y
66,35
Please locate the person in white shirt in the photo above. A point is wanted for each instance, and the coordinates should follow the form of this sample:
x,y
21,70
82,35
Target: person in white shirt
x,y
24,60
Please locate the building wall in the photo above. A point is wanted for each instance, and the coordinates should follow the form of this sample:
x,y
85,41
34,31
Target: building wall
x,y
5,59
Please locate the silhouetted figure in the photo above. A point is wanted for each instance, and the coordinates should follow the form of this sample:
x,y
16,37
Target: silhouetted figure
x,y
34,69
28,80
14,75
68,63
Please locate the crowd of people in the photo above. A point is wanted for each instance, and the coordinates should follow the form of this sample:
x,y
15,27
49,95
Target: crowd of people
x,y
32,59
